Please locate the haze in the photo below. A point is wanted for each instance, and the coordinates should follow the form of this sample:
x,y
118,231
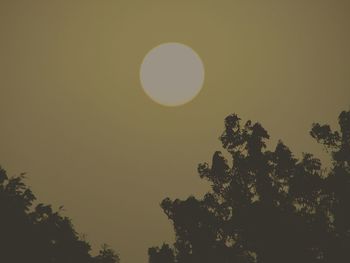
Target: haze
x,y
74,116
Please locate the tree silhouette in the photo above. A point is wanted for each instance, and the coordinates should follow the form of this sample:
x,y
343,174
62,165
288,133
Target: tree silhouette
x,y
268,206
38,234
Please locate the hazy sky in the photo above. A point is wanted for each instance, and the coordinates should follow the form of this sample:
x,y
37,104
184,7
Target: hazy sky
x,y
73,114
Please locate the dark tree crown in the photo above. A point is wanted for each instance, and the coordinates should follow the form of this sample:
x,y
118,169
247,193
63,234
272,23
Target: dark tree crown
x,y
269,206
38,234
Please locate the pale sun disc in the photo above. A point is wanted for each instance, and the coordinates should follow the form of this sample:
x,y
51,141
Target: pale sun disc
x,y
172,74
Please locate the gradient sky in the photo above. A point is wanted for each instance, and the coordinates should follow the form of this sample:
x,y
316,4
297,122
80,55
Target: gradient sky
x,y
75,118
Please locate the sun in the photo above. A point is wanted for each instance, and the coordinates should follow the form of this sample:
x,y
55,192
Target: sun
x,y
172,74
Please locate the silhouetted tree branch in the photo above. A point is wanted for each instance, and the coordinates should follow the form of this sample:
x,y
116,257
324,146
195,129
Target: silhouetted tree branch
x,y
269,206
37,233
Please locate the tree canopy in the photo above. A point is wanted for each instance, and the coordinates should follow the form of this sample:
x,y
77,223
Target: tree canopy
x,y
37,233
266,206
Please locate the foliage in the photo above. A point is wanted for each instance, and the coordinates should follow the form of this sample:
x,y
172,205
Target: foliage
x,y
269,206
38,234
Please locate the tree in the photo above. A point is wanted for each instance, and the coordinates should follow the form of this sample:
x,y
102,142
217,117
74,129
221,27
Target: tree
x,y
161,255
38,234
268,206
107,255
337,184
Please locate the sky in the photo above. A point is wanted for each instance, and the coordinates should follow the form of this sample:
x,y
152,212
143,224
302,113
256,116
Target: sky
x,y
75,118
